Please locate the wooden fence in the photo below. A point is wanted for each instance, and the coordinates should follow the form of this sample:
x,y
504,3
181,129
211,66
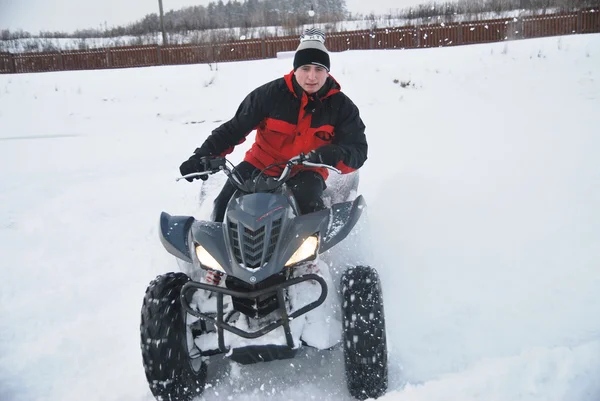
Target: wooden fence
x,y
412,37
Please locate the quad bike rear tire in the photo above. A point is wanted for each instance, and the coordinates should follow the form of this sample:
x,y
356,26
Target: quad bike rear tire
x,y
365,347
172,375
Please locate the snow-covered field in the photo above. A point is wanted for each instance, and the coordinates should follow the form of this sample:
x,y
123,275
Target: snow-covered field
x,y
483,186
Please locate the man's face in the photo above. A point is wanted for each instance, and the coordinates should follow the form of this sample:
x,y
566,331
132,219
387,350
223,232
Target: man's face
x,y
311,78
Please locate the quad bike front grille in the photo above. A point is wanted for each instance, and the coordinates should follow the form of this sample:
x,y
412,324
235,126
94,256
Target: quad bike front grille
x,y
252,248
260,306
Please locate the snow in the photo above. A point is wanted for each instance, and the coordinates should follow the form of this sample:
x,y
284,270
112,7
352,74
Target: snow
x,y
482,219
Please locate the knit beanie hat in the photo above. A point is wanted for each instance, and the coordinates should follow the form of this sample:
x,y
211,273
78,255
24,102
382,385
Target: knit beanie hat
x,y
312,50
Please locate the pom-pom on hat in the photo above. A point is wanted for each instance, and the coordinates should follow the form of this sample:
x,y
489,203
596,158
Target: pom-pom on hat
x,y
312,50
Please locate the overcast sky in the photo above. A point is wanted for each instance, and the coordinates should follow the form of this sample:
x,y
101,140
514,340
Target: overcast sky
x,y
68,15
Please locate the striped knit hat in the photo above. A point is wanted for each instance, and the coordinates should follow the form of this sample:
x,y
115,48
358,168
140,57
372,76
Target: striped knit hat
x,y
312,50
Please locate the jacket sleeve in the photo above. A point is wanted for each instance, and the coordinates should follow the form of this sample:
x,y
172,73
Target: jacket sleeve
x,y
350,138
247,117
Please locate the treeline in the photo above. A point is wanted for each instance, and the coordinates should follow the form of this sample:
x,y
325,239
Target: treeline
x,y
219,15
290,14
469,7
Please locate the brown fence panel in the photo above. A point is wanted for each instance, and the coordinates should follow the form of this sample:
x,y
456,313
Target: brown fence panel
x,y
549,25
6,63
395,38
355,40
133,57
484,32
37,62
590,21
189,54
236,51
440,35
283,44
88,60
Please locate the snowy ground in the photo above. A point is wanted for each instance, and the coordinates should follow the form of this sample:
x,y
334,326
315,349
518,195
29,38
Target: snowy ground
x,y
483,191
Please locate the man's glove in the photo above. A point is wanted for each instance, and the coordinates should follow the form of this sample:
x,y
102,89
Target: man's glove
x,y
327,154
194,164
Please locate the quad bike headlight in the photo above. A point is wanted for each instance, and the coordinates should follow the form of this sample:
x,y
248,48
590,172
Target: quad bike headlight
x,y
306,251
206,259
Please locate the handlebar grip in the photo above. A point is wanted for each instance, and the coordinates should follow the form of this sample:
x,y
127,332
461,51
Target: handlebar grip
x,y
213,164
210,165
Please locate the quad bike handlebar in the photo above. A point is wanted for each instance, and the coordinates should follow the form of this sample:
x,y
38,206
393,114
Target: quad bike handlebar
x,y
302,159
262,182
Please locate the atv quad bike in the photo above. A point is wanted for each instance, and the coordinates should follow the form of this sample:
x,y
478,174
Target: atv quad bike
x,y
254,285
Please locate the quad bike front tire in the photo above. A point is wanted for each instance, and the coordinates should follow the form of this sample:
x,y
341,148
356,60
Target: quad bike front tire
x,y
171,373
365,347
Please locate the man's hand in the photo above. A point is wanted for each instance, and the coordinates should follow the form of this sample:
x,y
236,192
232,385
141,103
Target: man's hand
x,y
328,154
194,164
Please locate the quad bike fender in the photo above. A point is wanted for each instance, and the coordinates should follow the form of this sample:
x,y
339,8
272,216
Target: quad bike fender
x,y
342,219
174,235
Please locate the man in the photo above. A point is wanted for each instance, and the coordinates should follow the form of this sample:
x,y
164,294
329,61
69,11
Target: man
x,y
303,112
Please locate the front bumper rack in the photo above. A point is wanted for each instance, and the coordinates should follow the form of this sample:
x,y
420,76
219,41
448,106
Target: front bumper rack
x,y
278,289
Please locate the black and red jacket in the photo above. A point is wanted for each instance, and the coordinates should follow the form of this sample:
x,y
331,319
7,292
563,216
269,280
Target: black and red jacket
x,y
289,122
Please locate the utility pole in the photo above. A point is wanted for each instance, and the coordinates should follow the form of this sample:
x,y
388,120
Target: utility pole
x,y
311,13
162,23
